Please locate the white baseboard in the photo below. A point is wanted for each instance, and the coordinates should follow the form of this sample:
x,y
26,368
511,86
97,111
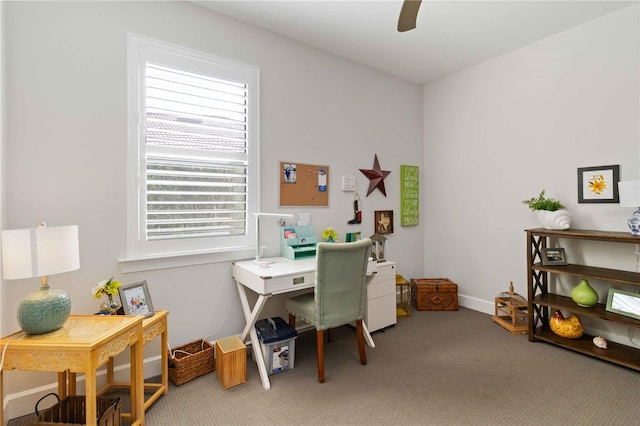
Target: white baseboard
x,y
22,403
476,304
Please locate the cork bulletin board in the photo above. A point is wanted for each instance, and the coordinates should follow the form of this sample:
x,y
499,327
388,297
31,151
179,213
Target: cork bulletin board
x,y
303,184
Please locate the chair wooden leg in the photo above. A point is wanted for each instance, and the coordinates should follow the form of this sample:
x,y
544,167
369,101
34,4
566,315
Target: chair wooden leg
x,y
320,354
331,335
360,338
292,321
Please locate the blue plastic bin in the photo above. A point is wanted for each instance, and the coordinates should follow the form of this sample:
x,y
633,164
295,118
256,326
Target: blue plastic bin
x,y
278,343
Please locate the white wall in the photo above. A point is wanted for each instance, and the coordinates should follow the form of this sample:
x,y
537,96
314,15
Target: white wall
x,y
498,133
66,145
2,137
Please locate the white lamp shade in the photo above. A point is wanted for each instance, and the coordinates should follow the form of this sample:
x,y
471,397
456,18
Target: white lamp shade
x,y
629,193
37,252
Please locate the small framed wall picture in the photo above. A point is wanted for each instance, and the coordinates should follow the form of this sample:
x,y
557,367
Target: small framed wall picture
x,y
553,256
598,184
136,299
384,221
352,237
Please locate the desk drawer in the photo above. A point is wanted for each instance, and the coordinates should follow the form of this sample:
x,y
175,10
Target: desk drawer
x,y
384,282
386,271
289,282
265,283
380,288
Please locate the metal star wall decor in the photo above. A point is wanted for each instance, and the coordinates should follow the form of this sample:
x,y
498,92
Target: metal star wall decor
x,y
376,177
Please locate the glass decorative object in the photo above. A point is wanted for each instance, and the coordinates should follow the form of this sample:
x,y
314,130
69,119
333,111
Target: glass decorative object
x,y
111,306
630,197
110,289
511,311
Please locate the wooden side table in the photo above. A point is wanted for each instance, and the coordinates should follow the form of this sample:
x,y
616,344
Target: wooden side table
x,y
152,327
81,345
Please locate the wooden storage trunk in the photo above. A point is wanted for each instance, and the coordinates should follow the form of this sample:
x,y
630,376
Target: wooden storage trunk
x,y
434,294
190,361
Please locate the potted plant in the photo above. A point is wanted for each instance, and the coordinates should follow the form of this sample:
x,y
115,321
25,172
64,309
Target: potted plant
x,y
550,212
330,235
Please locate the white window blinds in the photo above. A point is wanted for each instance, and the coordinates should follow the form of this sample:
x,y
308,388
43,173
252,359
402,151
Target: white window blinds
x,y
190,115
193,152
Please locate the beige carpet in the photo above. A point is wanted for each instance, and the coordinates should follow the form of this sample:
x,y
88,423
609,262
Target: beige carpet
x,y
437,368
433,368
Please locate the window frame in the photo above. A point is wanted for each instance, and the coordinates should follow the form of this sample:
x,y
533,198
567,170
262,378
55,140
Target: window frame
x,y
192,250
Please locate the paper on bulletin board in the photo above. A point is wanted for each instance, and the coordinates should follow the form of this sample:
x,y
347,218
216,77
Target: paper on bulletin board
x,y
409,195
303,184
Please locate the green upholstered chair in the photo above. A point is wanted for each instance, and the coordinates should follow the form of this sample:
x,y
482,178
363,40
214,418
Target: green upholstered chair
x,y
340,294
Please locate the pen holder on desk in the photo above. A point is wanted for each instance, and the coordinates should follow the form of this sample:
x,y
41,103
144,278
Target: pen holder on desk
x,y
297,242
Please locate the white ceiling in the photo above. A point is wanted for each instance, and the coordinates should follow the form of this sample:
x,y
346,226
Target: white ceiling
x,y
451,35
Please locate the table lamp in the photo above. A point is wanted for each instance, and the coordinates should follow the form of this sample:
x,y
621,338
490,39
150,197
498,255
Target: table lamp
x,y
40,252
258,260
630,197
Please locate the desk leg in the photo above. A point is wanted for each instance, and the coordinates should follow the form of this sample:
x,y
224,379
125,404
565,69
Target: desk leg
x,y
1,397
251,317
137,382
66,384
91,397
72,383
63,383
164,344
110,374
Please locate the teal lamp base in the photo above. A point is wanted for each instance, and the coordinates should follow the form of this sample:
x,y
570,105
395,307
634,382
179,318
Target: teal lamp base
x,y
44,311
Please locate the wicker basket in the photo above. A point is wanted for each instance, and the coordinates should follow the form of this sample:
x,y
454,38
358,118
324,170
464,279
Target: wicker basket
x,y
71,411
190,361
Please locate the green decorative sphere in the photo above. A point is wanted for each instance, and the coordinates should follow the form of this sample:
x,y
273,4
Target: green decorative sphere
x,y
44,311
584,295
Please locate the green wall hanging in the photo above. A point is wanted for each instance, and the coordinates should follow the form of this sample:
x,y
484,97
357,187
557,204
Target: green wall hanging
x,y
409,195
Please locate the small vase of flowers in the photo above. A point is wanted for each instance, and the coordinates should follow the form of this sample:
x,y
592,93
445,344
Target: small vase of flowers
x,y
329,234
109,288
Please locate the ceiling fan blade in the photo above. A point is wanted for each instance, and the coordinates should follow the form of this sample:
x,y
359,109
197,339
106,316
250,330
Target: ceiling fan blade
x,y
408,15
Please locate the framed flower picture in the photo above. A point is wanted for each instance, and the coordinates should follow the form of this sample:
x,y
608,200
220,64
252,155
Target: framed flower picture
x,y
598,184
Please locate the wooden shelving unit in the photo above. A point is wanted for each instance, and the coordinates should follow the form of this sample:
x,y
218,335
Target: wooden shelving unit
x,y
541,302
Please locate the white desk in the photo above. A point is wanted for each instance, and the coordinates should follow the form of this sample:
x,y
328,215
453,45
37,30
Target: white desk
x,y
283,276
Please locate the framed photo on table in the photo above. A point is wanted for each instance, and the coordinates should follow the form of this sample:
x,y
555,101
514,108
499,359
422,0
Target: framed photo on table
x,y
624,303
136,299
553,256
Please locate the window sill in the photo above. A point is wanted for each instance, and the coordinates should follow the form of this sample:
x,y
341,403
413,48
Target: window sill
x,y
151,263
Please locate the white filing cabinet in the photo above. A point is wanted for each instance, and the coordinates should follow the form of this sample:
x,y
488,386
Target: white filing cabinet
x,y
381,298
